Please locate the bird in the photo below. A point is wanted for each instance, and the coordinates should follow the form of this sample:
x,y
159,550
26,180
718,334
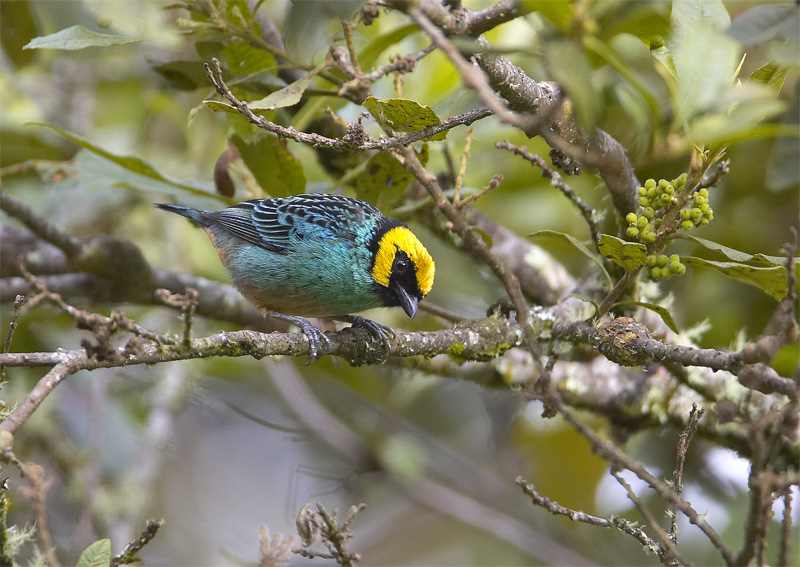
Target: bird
x,y
318,255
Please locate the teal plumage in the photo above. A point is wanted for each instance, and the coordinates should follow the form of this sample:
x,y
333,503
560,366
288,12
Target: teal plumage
x,y
318,255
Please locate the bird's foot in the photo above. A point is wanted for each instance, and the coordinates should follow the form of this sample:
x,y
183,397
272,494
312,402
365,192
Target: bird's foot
x,y
314,335
381,332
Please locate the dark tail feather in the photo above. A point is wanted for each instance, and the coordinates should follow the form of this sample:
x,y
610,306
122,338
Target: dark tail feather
x,y
191,214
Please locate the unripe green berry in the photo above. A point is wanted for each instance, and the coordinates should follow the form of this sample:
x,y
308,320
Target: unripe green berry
x,y
674,267
703,192
709,214
680,181
650,261
703,221
644,201
631,218
696,214
666,273
657,223
687,225
662,183
632,231
655,273
700,200
650,183
648,213
649,236
704,208
651,193
686,214
642,222
662,260
674,258
681,269
642,191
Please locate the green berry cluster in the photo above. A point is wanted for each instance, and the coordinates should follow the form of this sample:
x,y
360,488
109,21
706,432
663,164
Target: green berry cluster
x,y
656,198
661,267
697,212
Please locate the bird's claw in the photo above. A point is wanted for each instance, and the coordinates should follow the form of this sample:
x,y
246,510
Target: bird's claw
x,y
378,330
315,337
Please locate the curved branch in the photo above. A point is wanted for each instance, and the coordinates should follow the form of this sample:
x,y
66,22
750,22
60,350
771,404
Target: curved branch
x,y
538,105
356,139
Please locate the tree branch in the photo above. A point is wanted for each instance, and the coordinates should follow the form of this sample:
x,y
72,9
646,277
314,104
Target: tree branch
x,y
539,105
355,139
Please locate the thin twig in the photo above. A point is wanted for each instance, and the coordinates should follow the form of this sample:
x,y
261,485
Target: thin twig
x,y
402,65
579,516
668,556
610,452
88,320
12,326
472,76
128,555
462,169
677,476
786,529
348,143
586,211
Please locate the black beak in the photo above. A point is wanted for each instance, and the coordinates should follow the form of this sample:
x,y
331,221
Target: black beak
x,y
408,302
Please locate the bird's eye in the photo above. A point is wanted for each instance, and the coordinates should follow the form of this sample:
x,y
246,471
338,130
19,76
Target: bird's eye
x,y
401,265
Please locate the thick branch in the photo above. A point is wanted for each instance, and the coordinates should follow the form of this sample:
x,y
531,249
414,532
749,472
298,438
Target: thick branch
x,y
627,342
538,106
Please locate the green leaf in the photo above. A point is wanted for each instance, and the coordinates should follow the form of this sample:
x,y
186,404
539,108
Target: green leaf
x,y
78,37
282,98
743,121
705,63
771,75
761,24
183,75
782,170
610,54
276,170
217,106
244,59
559,12
770,279
580,246
662,312
306,25
17,27
635,107
629,255
737,255
381,43
403,115
687,14
383,181
130,163
97,554
705,58
645,21
663,56
569,66
243,7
